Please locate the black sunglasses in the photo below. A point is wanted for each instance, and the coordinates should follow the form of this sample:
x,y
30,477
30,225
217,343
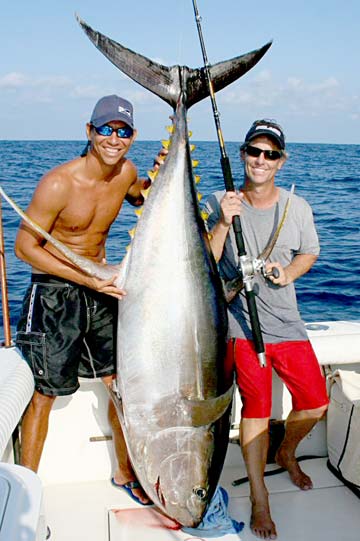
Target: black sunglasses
x,y
124,133
268,154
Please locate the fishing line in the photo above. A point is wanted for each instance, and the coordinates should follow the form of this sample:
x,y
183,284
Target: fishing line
x,y
182,25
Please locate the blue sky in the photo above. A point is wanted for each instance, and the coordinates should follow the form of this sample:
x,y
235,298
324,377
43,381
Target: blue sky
x,y
51,75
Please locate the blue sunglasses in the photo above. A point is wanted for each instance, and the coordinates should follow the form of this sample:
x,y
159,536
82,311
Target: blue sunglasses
x,y
124,133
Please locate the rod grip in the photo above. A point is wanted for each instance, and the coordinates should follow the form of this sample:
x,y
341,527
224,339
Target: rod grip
x,y
226,169
255,324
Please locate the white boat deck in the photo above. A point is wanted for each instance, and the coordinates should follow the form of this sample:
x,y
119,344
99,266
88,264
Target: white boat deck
x,y
79,502
98,511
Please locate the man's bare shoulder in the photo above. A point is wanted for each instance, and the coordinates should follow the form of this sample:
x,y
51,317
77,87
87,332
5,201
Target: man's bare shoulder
x,y
59,180
128,170
60,177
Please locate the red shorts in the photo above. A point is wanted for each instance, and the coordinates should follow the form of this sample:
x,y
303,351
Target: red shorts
x,y
294,362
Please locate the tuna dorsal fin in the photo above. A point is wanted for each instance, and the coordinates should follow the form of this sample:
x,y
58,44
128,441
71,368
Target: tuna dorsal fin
x,y
168,82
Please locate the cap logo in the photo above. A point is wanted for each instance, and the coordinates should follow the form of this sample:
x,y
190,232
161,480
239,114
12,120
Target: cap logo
x,y
269,128
124,111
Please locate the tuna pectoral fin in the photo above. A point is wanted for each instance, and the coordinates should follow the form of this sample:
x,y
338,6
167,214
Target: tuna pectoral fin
x,y
206,412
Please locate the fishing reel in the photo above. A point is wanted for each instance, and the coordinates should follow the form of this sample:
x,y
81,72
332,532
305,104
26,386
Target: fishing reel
x,y
249,266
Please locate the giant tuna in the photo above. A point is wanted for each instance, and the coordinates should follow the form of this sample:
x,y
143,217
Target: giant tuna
x,y
172,394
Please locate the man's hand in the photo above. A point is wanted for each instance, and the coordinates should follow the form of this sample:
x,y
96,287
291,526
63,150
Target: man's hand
x,y
280,278
299,266
230,206
107,286
160,158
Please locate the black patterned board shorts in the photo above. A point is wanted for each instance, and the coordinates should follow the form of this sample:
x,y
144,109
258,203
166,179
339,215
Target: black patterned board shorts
x,y
66,331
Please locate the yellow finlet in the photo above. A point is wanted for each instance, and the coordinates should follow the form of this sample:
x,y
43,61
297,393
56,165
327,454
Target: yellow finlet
x,y
170,129
139,211
204,215
152,175
132,232
199,196
190,133
192,148
195,163
145,193
166,143
197,179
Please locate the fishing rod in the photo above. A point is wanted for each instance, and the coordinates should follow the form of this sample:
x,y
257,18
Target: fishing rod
x,y
4,290
6,323
245,262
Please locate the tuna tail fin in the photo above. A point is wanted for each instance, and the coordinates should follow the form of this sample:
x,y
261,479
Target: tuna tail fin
x,y
168,82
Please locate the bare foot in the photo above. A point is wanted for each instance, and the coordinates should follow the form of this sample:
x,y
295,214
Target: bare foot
x,y
289,463
261,523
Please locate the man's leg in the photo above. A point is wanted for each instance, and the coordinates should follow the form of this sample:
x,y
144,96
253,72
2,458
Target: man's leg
x,y
298,367
124,472
254,438
298,425
34,428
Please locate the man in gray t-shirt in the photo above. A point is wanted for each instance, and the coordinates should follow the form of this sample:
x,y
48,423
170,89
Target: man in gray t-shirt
x,y
260,205
277,306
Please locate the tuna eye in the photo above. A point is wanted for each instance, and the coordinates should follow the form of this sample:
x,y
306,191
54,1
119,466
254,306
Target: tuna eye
x,y
200,492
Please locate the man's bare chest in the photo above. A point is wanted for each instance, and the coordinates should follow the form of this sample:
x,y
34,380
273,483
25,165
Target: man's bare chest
x,y
86,213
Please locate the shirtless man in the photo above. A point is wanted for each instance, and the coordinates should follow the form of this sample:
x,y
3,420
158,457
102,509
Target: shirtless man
x,y
67,325
259,203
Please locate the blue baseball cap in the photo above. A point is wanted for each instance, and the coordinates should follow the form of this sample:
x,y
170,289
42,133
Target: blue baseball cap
x,y
111,108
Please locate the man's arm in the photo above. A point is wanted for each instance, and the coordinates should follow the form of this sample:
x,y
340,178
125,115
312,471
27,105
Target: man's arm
x,y
217,238
230,206
134,195
299,266
49,199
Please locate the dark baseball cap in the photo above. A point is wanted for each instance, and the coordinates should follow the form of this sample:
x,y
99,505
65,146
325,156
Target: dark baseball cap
x,y
111,108
268,128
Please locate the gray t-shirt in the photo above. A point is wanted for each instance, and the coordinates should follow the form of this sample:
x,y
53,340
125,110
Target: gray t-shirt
x,y
277,306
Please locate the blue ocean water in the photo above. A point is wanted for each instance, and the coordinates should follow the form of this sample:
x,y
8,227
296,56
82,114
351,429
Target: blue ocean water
x,y
328,176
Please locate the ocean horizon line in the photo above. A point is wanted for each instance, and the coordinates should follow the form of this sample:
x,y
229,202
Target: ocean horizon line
x,y
138,140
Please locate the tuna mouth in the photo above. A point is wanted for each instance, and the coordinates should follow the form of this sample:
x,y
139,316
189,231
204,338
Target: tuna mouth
x,y
159,492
